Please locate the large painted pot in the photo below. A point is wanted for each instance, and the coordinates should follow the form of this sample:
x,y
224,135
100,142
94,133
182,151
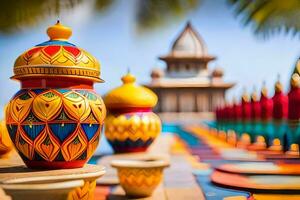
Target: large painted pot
x,y
55,120
131,126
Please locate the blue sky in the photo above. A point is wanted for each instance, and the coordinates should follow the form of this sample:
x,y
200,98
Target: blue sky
x,y
111,37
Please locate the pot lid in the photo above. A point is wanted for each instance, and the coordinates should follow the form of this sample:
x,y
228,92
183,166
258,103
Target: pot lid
x,y
130,95
57,57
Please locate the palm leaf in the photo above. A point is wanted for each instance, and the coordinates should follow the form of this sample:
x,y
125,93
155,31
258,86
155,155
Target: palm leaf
x,y
103,5
156,13
268,17
149,13
17,14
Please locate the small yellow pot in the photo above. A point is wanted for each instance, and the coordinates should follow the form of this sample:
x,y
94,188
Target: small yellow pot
x,y
139,178
131,126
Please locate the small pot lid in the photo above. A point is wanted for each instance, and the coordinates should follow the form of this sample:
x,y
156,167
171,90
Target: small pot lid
x,y
130,95
57,57
146,161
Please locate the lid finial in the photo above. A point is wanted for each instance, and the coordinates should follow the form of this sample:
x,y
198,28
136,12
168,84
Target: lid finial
x,y
128,78
59,32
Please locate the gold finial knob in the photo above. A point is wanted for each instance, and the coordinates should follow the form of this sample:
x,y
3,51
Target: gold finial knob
x,y
245,97
278,85
254,96
128,78
298,67
295,81
59,32
264,90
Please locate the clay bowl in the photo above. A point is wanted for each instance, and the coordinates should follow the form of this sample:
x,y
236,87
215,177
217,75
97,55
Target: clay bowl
x,y
139,177
47,191
72,184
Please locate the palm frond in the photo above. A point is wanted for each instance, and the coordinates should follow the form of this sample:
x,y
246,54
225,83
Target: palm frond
x,y
19,13
103,5
155,13
150,13
268,17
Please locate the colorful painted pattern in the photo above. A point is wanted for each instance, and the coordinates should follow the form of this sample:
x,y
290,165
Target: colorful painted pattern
x,y
137,180
132,131
57,58
55,125
86,192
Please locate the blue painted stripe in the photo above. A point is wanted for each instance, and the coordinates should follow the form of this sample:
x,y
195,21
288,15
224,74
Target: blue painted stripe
x,y
38,91
33,131
56,42
90,130
62,131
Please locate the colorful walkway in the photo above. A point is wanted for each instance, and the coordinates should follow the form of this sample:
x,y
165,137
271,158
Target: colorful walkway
x,y
210,151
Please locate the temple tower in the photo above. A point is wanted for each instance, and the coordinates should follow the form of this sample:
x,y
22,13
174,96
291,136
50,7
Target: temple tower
x,y
187,84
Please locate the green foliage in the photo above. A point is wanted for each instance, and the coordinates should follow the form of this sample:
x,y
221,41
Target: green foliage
x,y
269,16
266,17
153,13
16,14
103,5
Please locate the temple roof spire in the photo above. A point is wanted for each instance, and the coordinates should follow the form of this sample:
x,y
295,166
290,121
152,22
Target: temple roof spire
x,y
189,43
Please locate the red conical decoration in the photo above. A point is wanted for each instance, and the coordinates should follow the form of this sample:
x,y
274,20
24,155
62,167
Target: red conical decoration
x,y
246,107
217,114
225,112
230,112
222,113
294,99
280,103
255,107
266,105
237,111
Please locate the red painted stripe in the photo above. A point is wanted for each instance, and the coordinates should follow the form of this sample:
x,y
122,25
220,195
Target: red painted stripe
x,y
55,164
130,149
129,110
56,83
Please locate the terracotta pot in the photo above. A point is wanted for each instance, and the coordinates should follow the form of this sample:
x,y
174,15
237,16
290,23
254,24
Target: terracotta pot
x,y
55,120
131,126
55,128
139,178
